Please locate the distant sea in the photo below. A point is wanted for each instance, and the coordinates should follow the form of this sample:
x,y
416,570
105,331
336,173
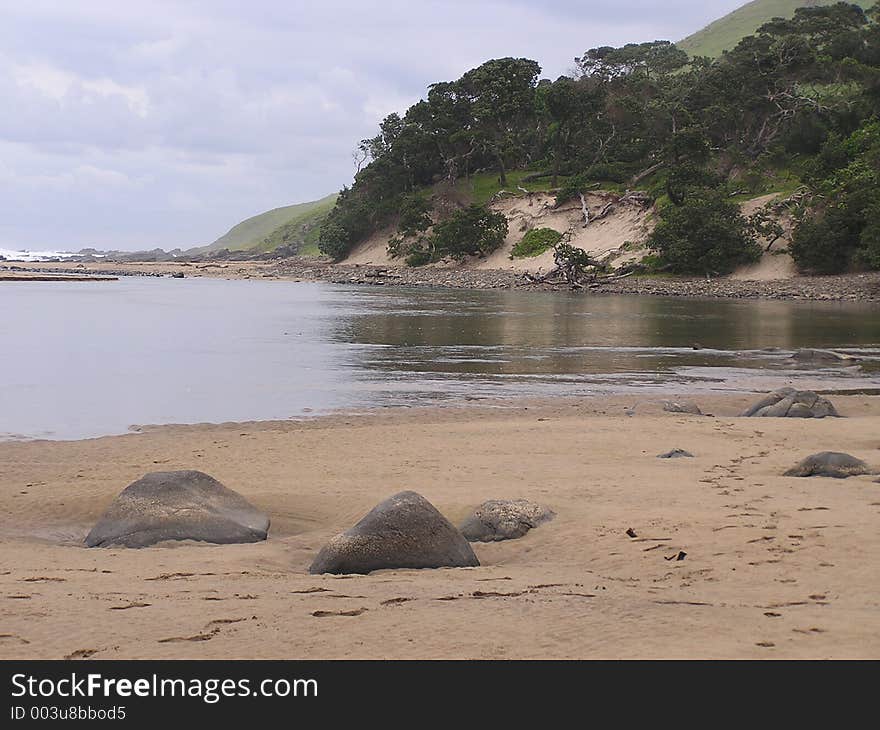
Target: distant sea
x,y
33,255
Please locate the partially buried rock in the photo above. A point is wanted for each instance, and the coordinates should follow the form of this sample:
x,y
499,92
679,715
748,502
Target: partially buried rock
x,y
504,519
682,407
820,357
404,531
829,464
791,403
178,505
676,454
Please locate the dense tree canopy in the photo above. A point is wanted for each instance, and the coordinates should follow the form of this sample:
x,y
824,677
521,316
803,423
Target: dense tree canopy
x,y
801,95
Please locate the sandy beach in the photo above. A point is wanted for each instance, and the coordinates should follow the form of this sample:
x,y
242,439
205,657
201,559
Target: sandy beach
x,y
773,567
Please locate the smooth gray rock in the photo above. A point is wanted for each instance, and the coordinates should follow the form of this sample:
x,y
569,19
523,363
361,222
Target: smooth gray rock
x,y
829,464
178,505
404,531
504,519
676,454
820,357
767,401
791,403
682,407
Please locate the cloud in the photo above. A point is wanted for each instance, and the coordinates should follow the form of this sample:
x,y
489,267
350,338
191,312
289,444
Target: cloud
x,y
60,86
163,123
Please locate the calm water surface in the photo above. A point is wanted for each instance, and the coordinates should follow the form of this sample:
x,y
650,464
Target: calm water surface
x,y
87,359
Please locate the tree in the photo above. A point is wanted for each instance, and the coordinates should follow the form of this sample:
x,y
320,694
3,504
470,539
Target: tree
x,y
569,111
648,60
501,94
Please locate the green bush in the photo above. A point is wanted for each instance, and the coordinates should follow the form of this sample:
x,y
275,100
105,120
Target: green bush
x,y
335,240
418,256
471,231
706,234
535,242
820,248
869,254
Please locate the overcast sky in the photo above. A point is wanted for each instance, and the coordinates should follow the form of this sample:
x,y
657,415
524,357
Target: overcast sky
x,y
131,124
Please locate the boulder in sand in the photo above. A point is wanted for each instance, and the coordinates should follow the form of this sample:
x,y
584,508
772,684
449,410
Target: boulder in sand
x,y
404,531
504,519
676,454
178,505
829,464
791,403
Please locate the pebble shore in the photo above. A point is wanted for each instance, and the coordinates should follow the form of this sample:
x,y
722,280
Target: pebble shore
x,y
851,287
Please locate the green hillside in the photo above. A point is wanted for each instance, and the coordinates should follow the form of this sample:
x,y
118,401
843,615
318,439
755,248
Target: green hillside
x,y
724,33
264,232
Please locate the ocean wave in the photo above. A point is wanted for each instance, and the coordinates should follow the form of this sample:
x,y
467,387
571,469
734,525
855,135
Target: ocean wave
x,y
32,256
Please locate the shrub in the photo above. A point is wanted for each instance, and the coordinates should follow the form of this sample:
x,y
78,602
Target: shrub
x,y
344,226
471,231
706,234
334,240
418,256
535,242
819,248
869,254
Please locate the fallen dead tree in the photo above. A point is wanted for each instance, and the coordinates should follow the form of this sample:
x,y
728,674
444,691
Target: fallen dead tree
x,y
573,267
631,197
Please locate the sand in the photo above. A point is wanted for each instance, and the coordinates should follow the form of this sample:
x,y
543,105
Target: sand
x,y
774,567
603,238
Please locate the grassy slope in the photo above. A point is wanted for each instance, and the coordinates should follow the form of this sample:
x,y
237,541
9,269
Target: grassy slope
x,y
724,33
482,186
301,230
254,231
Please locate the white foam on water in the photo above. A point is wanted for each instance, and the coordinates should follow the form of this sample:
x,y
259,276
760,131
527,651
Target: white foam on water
x,y
33,256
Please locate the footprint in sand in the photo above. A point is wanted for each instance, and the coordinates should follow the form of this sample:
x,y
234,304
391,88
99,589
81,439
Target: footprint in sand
x,y
82,653
197,637
13,637
312,590
43,579
324,614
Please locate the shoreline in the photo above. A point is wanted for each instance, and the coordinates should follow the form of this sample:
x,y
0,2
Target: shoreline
x,y
849,287
788,566
646,402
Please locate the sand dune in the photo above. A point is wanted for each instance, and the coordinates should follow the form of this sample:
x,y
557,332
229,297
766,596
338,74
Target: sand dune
x,y
773,566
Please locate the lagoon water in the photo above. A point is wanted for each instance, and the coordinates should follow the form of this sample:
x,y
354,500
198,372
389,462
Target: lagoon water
x,y
87,359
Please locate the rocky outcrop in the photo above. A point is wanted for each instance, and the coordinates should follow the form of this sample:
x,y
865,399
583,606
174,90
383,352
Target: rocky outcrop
x,y
404,531
178,505
791,403
504,519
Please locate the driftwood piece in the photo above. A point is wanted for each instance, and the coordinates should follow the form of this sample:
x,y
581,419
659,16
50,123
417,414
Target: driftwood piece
x,y
584,210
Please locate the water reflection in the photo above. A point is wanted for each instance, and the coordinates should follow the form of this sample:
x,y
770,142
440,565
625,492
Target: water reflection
x,y
85,359
512,333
